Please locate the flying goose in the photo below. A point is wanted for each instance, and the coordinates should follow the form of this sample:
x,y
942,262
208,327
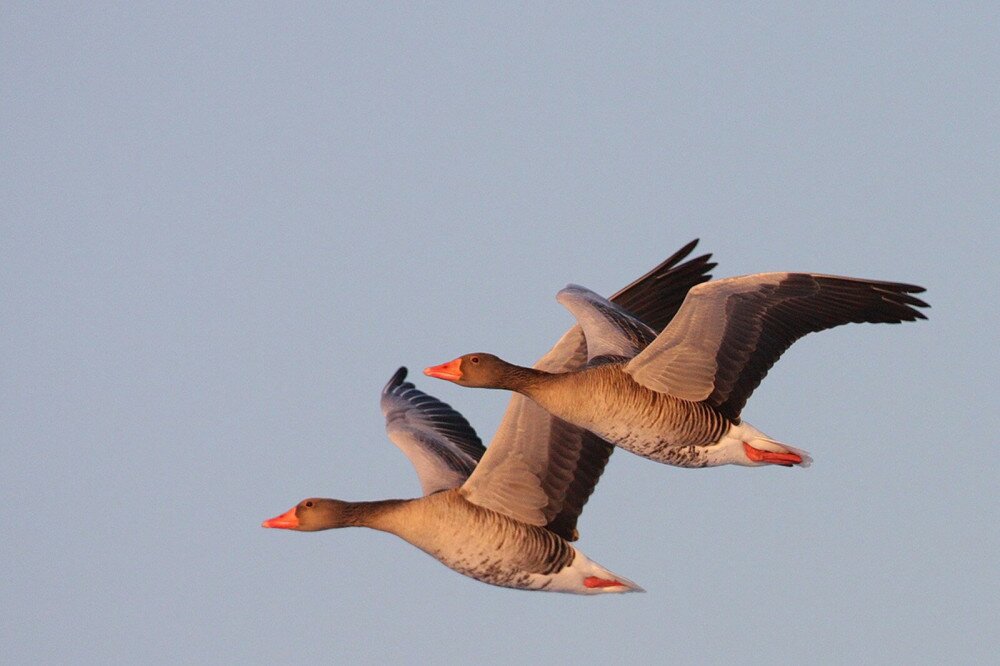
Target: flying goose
x,y
511,521
677,397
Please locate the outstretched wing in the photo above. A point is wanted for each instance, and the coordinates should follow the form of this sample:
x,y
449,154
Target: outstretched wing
x,y
440,443
540,469
728,333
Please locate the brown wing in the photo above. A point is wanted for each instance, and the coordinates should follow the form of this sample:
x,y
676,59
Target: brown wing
x,y
729,333
541,470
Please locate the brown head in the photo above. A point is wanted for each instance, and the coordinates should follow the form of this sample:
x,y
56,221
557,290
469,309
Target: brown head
x,y
478,370
313,514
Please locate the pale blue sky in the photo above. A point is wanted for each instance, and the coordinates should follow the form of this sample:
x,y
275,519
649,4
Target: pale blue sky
x,y
226,225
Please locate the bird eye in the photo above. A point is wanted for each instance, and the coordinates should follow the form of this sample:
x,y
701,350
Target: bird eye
x,y
309,504
474,359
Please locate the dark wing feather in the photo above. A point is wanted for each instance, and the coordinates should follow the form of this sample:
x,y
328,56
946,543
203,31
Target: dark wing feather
x,y
594,454
729,333
657,296
439,442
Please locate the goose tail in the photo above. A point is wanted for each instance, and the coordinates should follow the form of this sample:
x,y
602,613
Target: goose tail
x,y
762,449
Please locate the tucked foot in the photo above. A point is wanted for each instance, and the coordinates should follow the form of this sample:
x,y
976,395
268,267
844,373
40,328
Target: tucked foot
x,y
594,581
784,459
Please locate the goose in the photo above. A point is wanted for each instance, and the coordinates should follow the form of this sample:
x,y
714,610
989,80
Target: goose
x,y
506,517
677,397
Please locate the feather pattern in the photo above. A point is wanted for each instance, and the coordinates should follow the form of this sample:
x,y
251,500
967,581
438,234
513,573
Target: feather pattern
x,y
440,444
728,333
609,330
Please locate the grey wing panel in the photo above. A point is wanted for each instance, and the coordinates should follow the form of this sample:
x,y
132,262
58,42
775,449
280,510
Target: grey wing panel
x,y
531,461
609,330
681,360
437,467
509,478
568,354
440,444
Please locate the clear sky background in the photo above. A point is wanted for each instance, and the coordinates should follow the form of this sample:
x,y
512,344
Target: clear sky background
x,y
224,226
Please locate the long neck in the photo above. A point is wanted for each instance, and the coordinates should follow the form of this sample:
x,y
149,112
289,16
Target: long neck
x,y
523,380
376,514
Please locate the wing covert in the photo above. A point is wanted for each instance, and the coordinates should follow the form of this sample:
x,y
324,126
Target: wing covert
x,y
728,333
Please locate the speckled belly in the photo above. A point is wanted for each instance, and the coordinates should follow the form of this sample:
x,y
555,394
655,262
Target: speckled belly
x,y
493,548
662,449
669,431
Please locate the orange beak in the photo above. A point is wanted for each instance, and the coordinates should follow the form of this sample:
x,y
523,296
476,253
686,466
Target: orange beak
x,y
452,370
287,521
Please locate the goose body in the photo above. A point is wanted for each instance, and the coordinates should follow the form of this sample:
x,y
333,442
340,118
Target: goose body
x,y
507,516
654,425
677,397
474,541
659,426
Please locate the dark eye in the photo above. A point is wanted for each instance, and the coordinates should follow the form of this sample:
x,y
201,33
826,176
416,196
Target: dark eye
x,y
309,504
474,359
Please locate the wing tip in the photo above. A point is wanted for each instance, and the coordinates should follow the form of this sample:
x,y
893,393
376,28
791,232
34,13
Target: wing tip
x,y
394,381
572,290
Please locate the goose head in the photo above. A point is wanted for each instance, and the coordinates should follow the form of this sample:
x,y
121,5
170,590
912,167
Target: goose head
x,y
314,514
479,370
